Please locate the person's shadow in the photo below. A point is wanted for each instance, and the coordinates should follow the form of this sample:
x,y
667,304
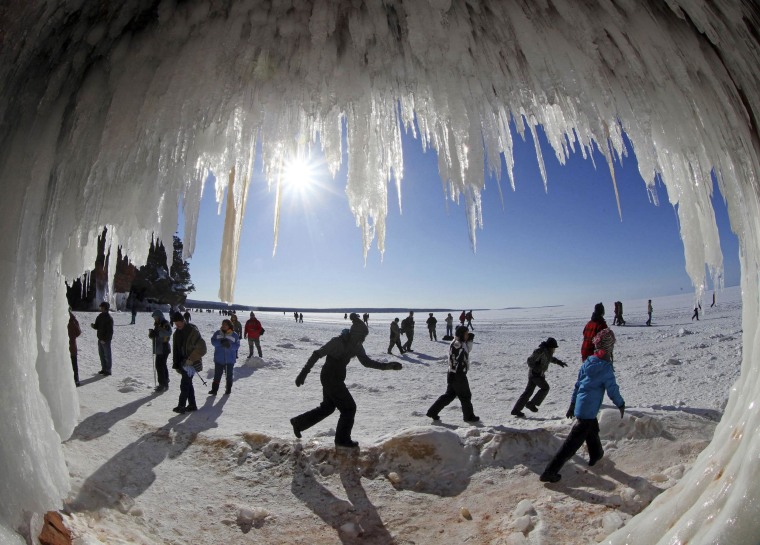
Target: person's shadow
x,y
99,424
356,520
131,471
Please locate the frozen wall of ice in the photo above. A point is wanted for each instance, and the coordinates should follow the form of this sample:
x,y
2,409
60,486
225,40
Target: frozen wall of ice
x,y
114,114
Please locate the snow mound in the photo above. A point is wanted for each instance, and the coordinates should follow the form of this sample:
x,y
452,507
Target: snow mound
x,y
286,345
629,427
683,332
130,384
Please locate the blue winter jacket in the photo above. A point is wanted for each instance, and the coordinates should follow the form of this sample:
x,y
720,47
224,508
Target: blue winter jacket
x,y
594,377
228,355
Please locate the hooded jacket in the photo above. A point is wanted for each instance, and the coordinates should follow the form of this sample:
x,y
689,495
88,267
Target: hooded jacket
x,y
594,378
225,355
540,359
338,352
161,333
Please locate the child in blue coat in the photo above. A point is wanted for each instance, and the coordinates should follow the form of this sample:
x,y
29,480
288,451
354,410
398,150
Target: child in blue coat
x,y
595,376
226,344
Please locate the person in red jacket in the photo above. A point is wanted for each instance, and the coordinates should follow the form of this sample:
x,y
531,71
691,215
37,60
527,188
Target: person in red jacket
x,y
594,326
253,331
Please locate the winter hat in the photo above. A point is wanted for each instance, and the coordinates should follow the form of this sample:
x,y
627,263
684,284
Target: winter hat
x,y
359,330
551,342
177,317
104,305
353,316
461,331
599,309
430,313
158,315
252,315
605,340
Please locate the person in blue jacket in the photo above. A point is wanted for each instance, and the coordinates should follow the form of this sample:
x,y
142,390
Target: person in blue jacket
x,y
226,343
595,376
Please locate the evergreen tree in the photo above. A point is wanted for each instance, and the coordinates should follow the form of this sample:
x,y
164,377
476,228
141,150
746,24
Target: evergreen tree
x,y
180,271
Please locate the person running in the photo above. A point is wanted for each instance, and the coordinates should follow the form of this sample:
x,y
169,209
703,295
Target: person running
x,y
395,338
538,362
73,330
650,309
469,319
160,335
104,326
431,322
226,343
594,326
457,385
253,332
595,377
338,353
188,349
449,325
407,328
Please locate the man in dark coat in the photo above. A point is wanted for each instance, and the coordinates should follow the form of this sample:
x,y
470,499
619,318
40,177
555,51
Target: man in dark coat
x,y
395,337
104,326
338,352
431,321
407,328
160,335
538,362
188,349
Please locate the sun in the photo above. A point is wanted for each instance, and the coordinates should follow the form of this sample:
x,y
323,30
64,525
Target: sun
x,y
298,173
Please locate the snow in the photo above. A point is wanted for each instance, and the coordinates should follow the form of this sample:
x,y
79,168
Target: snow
x,y
115,113
141,473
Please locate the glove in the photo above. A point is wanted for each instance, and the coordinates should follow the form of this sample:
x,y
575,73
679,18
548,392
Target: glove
x,y
225,343
570,411
301,378
561,363
395,366
622,410
189,370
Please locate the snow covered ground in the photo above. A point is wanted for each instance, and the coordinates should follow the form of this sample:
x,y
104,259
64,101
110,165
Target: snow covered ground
x,y
232,472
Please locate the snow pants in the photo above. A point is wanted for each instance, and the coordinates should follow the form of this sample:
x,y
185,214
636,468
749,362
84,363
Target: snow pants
x,y
533,381
162,373
219,370
186,391
335,395
457,386
251,343
395,342
584,430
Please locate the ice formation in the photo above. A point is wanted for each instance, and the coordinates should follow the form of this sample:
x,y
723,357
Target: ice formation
x,y
114,114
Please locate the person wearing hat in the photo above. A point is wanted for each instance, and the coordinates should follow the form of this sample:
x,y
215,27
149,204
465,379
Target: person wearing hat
x,y
407,328
595,377
395,337
538,362
104,326
188,347
431,321
594,326
226,343
457,385
338,352
160,334
253,332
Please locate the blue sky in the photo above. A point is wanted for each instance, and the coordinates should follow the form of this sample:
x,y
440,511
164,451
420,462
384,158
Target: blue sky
x,y
564,246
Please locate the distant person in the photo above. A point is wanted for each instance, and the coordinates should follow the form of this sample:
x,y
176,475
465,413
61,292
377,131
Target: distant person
x,y
594,326
449,325
395,337
74,331
649,312
133,308
618,319
713,301
457,385
407,328
469,319
431,322
345,315
187,317
695,314
104,326
160,335
237,327
300,317
338,353
295,315
365,317
595,377
462,318
188,349
253,332
226,343
538,363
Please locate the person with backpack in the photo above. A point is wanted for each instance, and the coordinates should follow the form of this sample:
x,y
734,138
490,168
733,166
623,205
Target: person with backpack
x,y
253,332
226,343
594,326
595,377
431,322
457,385
104,326
160,335
538,362
188,349
73,330
395,337
469,319
407,328
449,326
338,351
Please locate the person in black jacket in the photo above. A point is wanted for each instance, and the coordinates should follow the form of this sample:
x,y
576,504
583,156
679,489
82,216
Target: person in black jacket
x,y
538,362
407,328
104,326
431,322
457,385
338,352
160,334
187,351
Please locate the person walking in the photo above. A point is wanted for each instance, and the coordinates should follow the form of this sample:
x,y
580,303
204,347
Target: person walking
x,y
253,332
104,326
650,309
462,318
457,385
300,317
407,328
365,317
595,377
695,314
133,307
621,320
594,326
73,330
449,326
469,319
431,322
338,352
395,337
538,362
226,343
160,334
188,349
713,301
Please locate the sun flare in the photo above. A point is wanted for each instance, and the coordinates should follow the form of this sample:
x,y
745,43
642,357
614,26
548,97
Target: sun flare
x,y
298,173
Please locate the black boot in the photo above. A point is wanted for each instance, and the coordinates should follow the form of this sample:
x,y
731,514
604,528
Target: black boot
x,y
214,388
